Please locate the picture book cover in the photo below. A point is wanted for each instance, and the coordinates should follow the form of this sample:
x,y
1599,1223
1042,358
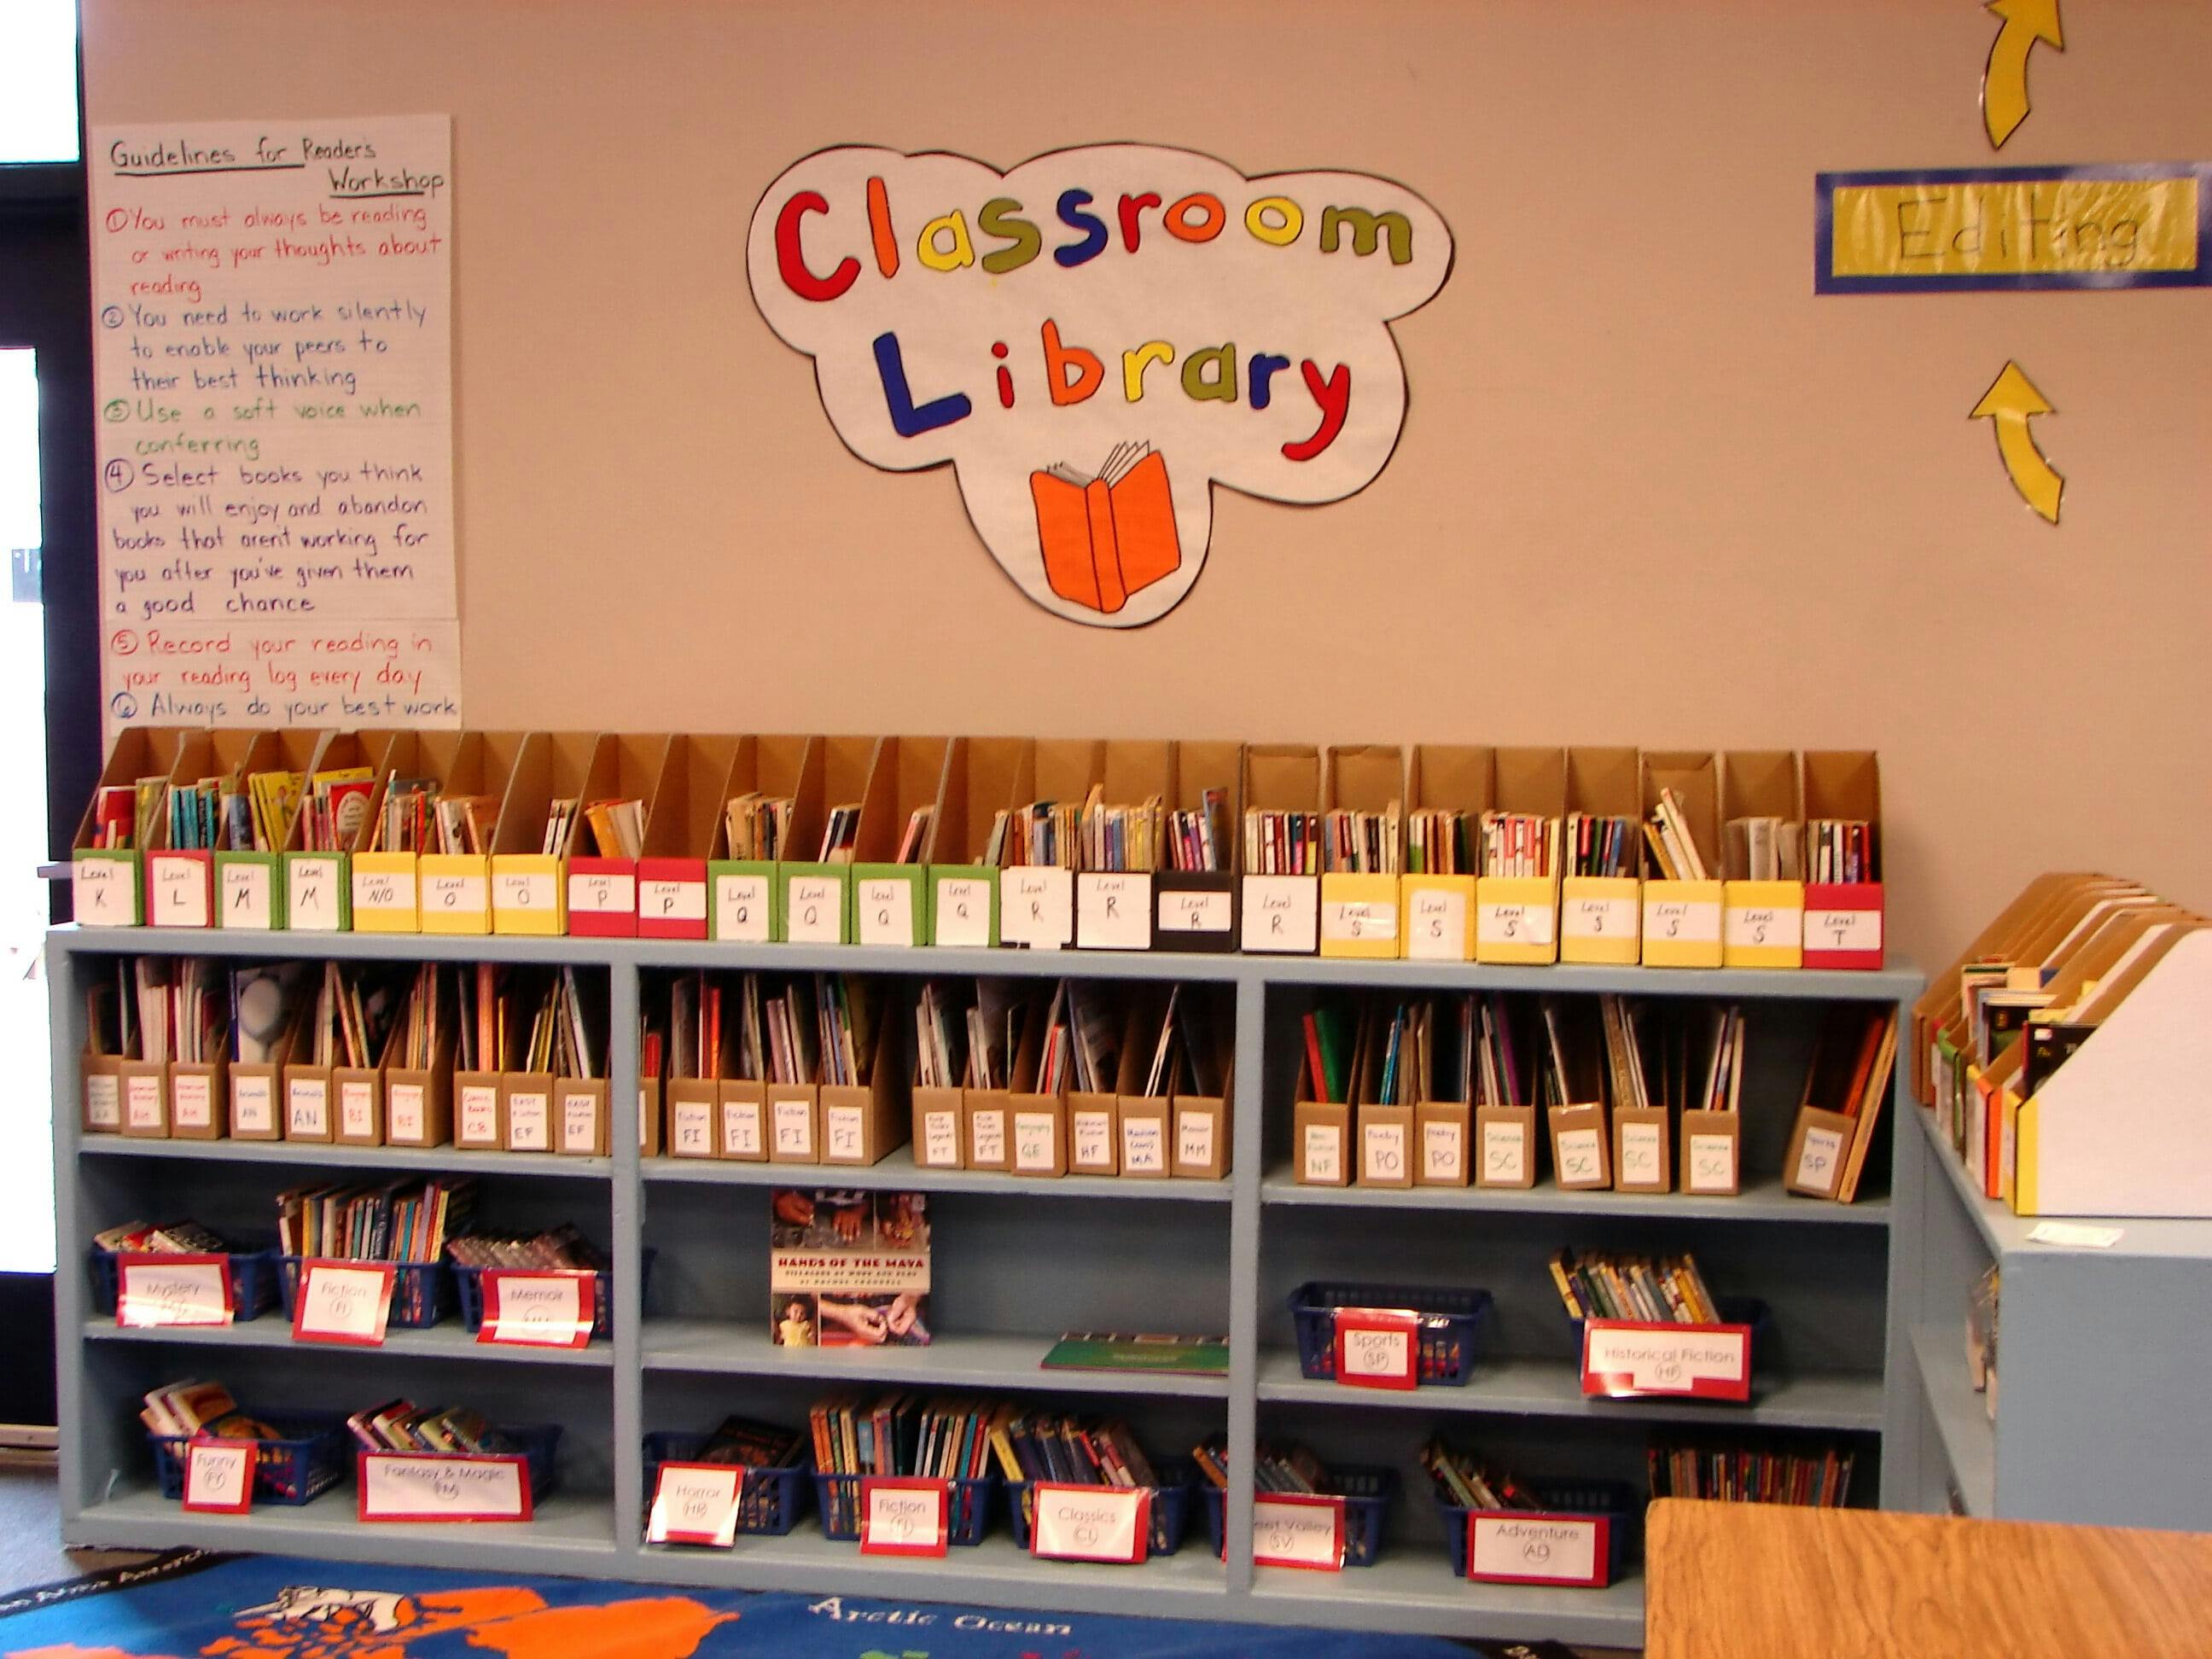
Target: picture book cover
x,y
848,1269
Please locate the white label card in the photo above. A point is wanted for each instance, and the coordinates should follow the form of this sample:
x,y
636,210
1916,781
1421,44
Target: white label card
x,y
903,1518
528,1122
381,891
1598,918
814,910
1194,1136
1322,1155
940,1139
1444,1153
691,1128
1538,1549
964,910
398,1487
1113,912
741,908
1436,927
1089,1523
103,1101
188,1292
1642,1150
308,1108
696,1505
253,1105
2074,1235
312,891
358,1110
1281,914
1682,921
1514,924
1037,906
337,1303
986,1139
885,910
219,1476
479,1125
741,1130
1843,930
1036,1140
104,892
246,890
455,895
1712,1164
537,892
1091,1133
1144,1145
1820,1158
844,1134
1299,1531
793,1121
1668,1361
594,894
580,1122
537,1310
1376,1354
1582,1158
191,1101
1751,927
1359,920
1185,912
404,1124
1383,1153
672,901
1505,1153
142,1101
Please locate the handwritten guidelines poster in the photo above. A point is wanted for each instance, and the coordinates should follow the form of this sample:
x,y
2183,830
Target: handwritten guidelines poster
x,y
273,366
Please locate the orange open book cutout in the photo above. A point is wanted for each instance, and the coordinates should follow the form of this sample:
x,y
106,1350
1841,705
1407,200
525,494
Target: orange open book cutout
x,y
1108,536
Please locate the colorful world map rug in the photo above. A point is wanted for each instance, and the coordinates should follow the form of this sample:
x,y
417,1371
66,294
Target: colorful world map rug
x,y
191,1605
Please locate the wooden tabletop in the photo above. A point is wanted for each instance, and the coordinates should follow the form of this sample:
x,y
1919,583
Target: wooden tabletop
x,y
1745,1581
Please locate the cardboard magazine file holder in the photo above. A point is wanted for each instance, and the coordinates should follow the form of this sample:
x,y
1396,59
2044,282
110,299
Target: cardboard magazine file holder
x,y
1036,901
199,1104
310,1101
529,894
107,885
1642,1150
1279,915
1505,1146
1195,910
1145,1122
940,1131
528,1119
102,1093
1602,917
863,1123
1114,907
2110,1132
180,881
418,1100
813,894
1037,1132
1388,1155
479,1120
1762,921
1844,921
454,888
600,888
1940,999
891,900
743,901
1320,1135
795,1120
1094,1133
1437,919
319,880
249,885
1817,1143
1682,919
1517,918
581,1126
1581,1147
712,1117
386,883
144,1085
1358,909
1203,1148
256,1087
1711,1153
357,1102
990,1112
983,777
682,832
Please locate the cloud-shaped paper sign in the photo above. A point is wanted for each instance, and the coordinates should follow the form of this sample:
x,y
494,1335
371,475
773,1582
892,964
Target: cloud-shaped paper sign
x,y
1096,338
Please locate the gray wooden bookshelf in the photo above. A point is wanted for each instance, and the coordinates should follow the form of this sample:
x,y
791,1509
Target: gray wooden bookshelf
x,y
1017,1260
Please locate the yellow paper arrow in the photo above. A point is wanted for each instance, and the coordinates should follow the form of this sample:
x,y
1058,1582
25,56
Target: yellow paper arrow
x,y
2004,80
2010,402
